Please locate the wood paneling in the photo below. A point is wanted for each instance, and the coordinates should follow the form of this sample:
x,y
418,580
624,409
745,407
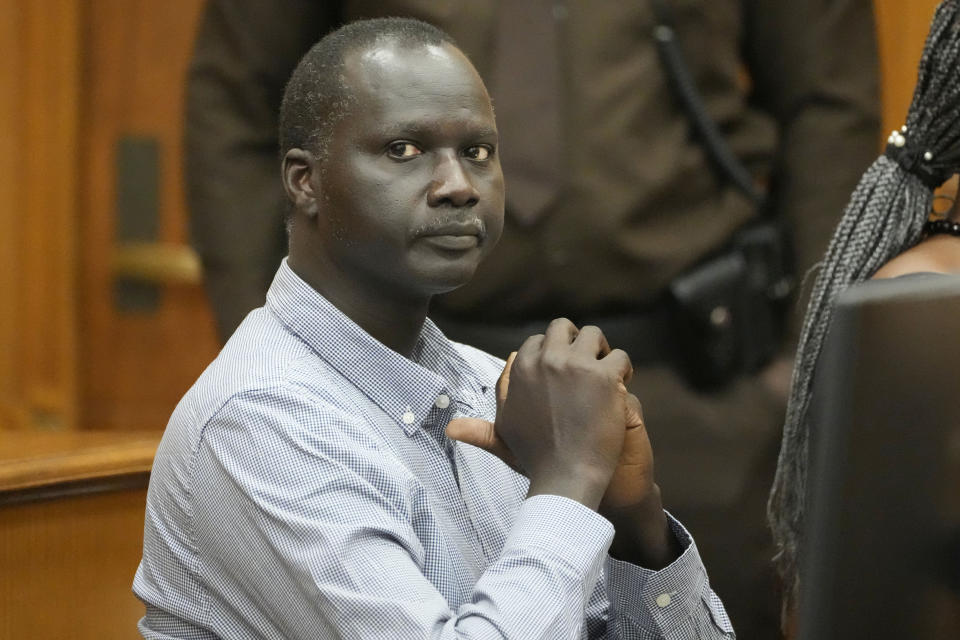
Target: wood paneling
x,y
71,533
902,27
34,460
39,119
136,365
68,567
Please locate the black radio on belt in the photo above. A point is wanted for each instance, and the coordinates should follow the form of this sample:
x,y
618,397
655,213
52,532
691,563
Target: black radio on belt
x,y
728,310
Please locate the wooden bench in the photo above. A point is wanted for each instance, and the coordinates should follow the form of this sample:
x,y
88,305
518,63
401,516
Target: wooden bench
x,y
71,530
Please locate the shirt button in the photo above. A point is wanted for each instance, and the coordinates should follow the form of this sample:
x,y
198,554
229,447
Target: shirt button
x,y
663,600
443,401
408,417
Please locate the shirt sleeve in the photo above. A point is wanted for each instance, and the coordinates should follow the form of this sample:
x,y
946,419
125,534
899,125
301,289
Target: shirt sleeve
x,y
245,51
299,535
676,602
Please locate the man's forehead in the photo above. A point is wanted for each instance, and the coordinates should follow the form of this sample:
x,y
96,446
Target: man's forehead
x,y
410,70
391,56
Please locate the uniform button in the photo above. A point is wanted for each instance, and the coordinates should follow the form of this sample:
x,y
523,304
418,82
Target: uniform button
x,y
408,417
663,600
443,401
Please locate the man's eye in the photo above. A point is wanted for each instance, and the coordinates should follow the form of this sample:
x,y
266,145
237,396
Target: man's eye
x,y
479,152
403,150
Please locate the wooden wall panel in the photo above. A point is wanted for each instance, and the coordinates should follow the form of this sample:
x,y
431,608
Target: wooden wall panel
x,y
902,27
136,365
68,566
12,412
39,85
71,532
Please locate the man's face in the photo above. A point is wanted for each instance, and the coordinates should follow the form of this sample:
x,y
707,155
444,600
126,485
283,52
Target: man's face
x,y
411,191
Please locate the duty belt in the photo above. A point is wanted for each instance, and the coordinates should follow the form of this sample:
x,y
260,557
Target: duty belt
x,y
646,336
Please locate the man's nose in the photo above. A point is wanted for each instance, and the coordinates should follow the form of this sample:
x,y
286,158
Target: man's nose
x,y
452,184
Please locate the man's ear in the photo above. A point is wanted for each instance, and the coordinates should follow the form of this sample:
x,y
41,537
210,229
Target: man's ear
x,y
300,173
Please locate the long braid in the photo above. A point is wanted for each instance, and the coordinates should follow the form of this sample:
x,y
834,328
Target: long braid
x,y
885,216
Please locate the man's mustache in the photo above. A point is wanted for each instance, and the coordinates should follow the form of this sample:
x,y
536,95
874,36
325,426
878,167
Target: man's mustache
x,y
466,225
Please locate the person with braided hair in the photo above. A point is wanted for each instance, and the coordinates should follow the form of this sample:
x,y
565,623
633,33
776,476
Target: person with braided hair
x,y
884,232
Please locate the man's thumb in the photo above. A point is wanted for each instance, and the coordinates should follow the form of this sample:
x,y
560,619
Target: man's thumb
x,y
482,434
479,433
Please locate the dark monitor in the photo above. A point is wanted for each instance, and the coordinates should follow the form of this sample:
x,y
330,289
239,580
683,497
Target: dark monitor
x,y
882,539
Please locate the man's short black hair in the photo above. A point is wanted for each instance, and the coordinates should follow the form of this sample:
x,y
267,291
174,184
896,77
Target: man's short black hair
x,y
316,97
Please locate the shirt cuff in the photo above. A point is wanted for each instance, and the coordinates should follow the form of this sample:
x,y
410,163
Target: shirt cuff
x,y
576,535
664,600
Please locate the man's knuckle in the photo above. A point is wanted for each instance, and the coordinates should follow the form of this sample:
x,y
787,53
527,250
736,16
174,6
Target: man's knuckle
x,y
592,329
554,362
622,355
612,377
531,340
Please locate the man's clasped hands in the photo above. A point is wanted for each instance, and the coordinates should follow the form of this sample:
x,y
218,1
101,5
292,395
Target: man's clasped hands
x,y
566,420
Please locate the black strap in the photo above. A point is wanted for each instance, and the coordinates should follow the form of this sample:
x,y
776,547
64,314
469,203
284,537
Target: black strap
x,y
684,86
912,161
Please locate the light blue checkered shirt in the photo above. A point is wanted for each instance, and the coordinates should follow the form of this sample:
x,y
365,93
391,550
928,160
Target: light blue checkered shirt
x,y
304,488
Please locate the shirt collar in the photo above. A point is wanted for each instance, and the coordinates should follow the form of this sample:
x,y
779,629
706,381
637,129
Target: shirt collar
x,y
405,389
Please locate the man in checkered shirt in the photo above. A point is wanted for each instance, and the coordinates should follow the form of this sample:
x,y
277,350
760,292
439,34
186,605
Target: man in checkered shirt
x,y
342,470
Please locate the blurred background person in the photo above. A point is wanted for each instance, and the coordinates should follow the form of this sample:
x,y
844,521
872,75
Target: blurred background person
x,y
612,184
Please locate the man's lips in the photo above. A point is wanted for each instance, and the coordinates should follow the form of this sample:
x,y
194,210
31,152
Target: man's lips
x,y
454,235
452,243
